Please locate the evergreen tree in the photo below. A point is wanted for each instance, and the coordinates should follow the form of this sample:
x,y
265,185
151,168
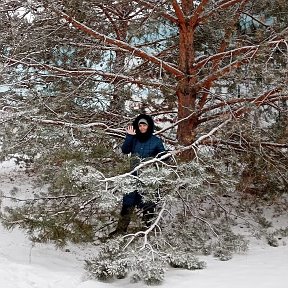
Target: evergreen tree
x,y
74,74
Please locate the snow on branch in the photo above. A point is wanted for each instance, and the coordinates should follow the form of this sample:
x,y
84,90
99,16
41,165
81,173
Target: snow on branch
x,y
222,5
197,13
105,127
87,72
216,141
169,154
266,99
146,232
118,43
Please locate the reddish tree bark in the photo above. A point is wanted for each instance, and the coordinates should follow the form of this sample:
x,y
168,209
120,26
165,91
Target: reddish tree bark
x,y
193,92
186,92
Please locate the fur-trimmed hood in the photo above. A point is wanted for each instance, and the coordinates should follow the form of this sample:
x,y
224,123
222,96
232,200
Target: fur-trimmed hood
x,y
143,145
149,133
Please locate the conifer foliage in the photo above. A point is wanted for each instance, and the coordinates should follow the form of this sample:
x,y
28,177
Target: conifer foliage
x,y
214,76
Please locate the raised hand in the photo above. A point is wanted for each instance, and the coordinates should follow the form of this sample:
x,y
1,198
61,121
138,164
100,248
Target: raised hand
x,y
130,130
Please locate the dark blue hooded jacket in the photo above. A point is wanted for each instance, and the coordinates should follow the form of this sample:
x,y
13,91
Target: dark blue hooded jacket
x,y
143,145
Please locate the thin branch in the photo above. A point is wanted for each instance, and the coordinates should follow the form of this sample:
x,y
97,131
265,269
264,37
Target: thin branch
x,y
174,124
179,13
233,52
272,98
256,19
39,198
87,72
197,217
105,11
221,6
118,43
146,232
216,141
231,213
197,13
153,6
229,32
73,125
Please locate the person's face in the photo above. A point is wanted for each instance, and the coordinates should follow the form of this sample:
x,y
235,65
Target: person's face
x,y
143,128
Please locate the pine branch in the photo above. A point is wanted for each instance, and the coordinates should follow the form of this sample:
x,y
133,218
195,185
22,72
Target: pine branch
x,y
216,141
105,127
179,13
87,72
222,6
39,198
196,17
234,52
135,51
197,217
174,124
162,158
229,103
145,233
237,111
220,73
154,7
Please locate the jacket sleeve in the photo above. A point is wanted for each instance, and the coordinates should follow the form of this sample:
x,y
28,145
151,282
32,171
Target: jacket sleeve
x,y
160,149
127,146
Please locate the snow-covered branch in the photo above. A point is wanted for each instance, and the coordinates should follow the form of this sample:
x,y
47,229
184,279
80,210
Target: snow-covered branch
x,y
111,77
169,154
102,125
222,5
145,233
47,198
118,43
195,18
197,217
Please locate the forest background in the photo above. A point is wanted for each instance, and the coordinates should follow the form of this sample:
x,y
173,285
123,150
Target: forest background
x,y
213,74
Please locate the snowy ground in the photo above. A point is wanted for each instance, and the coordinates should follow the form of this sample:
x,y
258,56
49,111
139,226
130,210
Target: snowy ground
x,y
23,265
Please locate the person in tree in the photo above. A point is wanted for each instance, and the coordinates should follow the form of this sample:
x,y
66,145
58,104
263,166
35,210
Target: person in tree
x,y
141,143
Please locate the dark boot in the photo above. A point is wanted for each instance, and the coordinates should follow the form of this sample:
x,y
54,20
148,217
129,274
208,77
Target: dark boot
x,y
148,213
123,223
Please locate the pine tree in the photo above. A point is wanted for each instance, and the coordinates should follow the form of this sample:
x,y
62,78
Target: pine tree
x,y
214,75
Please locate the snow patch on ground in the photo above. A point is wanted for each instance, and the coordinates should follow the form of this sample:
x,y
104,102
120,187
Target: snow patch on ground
x,y
24,265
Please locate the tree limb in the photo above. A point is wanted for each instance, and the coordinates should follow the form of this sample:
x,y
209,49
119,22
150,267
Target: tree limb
x,y
118,43
86,72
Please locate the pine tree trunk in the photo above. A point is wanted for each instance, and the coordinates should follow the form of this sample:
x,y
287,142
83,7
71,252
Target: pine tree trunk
x,y
186,110
186,92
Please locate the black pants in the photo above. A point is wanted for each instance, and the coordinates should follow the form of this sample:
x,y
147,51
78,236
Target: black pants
x,y
130,201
